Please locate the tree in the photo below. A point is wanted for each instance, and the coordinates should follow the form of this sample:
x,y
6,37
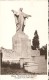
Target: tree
x,y
43,51
35,40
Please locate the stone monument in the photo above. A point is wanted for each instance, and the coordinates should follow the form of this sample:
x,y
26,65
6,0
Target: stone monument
x,y
29,59
21,43
21,52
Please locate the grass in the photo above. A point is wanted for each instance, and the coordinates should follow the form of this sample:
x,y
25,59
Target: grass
x,y
12,68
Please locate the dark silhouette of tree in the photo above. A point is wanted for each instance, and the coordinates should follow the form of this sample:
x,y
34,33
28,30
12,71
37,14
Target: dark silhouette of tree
x,y
43,51
35,40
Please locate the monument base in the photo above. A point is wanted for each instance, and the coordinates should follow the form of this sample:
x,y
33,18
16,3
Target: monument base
x,y
21,52
21,45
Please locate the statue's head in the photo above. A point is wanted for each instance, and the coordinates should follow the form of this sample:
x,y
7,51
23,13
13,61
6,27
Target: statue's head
x,y
21,9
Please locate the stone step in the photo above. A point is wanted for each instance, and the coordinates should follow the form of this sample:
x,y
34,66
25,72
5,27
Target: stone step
x,y
37,65
31,67
31,63
37,59
36,68
25,60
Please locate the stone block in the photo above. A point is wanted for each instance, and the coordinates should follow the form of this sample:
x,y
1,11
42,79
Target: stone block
x,y
33,68
25,61
21,44
35,53
39,59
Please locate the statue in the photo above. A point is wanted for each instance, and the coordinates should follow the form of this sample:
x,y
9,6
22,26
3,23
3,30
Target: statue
x,y
20,19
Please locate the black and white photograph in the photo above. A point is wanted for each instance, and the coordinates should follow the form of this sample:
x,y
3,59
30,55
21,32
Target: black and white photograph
x,y
23,37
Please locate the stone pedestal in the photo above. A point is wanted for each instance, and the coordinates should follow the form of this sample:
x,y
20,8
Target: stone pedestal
x,y
21,45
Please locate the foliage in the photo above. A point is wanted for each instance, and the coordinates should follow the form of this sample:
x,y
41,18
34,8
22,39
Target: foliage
x,y
11,65
43,51
35,41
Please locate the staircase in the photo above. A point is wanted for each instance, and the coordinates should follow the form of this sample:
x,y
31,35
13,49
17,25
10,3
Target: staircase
x,y
35,64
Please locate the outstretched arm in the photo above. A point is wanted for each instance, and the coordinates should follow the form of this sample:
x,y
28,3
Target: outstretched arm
x,y
26,15
15,13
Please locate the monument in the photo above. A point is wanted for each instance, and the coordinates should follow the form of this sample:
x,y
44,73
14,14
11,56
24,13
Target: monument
x,y
21,43
21,52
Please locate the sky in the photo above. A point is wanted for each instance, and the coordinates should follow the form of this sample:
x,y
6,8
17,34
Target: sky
x,y
39,20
